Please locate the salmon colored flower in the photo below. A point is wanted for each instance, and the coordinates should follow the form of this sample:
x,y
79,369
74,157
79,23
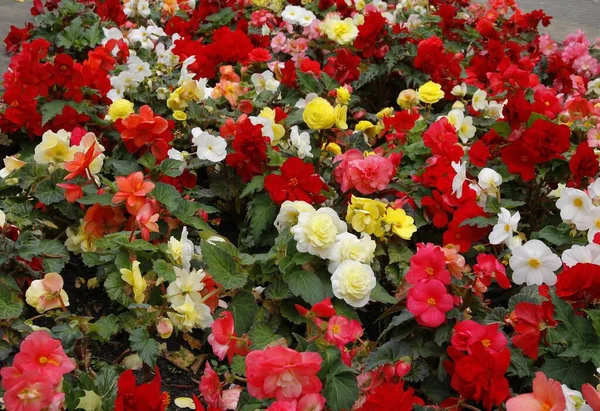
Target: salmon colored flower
x,y
30,393
591,395
133,190
102,220
73,192
47,293
80,164
224,340
45,356
547,395
145,130
342,330
146,219
282,373
228,89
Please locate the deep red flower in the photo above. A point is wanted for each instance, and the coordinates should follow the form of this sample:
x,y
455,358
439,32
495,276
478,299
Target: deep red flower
x,y
391,397
520,159
69,119
250,149
530,322
487,268
310,66
145,397
584,163
343,67
479,376
368,33
579,282
15,37
297,181
479,154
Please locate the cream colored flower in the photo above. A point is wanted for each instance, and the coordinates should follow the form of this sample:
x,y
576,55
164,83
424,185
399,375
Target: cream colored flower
x,y
353,282
350,247
79,241
54,148
289,211
11,163
134,278
315,232
189,315
47,293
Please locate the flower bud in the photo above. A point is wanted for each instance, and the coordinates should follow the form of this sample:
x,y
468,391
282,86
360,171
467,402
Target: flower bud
x,y
164,327
403,367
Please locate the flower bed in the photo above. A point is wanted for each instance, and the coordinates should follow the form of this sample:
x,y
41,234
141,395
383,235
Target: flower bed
x,y
330,205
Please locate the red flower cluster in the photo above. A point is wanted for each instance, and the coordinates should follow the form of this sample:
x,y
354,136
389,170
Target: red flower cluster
x,y
297,181
250,150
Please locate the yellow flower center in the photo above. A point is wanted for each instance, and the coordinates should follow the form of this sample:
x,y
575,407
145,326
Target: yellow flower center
x,y
486,343
577,202
431,301
335,329
534,263
43,360
506,228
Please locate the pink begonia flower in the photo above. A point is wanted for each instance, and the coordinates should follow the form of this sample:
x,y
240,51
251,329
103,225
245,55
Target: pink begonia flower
x,y
547,395
371,174
428,302
547,45
342,330
283,406
44,355
231,397
591,395
210,387
341,171
310,402
428,263
279,43
593,136
282,373
468,332
45,294
31,393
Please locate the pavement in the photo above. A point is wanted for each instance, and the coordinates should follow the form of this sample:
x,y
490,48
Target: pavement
x,y
568,16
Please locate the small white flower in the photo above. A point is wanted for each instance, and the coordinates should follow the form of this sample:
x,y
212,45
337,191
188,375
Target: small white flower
x,y
479,100
353,282
181,251
589,254
589,220
534,263
460,90
481,196
459,178
211,148
575,401
594,87
594,190
301,103
573,203
514,242
139,68
301,142
298,15
506,226
264,81
316,232
489,180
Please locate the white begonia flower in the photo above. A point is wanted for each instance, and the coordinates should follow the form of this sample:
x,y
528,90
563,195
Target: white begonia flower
x,y
301,103
594,87
594,190
506,226
189,315
489,180
589,220
589,254
556,192
479,102
289,211
186,283
534,263
267,126
143,8
350,247
211,148
11,163
315,232
301,142
460,90
459,178
575,401
298,15
2,218
514,242
573,204
264,81
113,33
494,110
480,195
181,251
175,154
146,36
139,68
353,282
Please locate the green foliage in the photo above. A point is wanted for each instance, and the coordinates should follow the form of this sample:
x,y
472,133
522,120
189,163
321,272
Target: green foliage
x,y
305,284
388,353
222,266
243,307
146,347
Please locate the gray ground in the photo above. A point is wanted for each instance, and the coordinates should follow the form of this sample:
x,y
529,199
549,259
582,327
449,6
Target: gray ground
x,y
568,16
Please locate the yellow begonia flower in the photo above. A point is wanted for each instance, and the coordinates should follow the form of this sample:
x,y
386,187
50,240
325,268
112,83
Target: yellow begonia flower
x,y
179,115
342,95
333,148
319,114
176,101
400,224
340,113
367,216
11,163
385,112
134,278
340,31
368,128
54,148
407,99
80,241
430,92
121,108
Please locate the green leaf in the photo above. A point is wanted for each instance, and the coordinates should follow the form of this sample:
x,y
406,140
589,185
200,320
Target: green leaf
x,y
308,83
11,305
502,128
222,266
67,334
262,212
479,221
305,284
594,316
278,290
519,365
55,107
90,401
329,82
238,365
243,307
572,373
114,288
146,347
167,195
381,295
403,317
528,294
261,334
124,167
399,253
341,387
171,168
388,353
419,370
53,253
102,199
577,331
254,186
556,235
105,327
222,17
164,269
48,192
